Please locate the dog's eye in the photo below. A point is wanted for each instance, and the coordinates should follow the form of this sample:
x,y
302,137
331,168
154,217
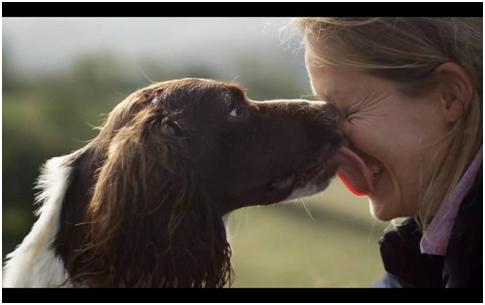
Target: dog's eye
x,y
170,128
236,113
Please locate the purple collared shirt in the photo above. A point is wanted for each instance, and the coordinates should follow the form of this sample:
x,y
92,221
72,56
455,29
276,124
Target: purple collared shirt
x,y
435,237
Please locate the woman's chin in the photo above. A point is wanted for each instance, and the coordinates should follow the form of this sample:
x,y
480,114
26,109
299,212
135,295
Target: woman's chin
x,y
390,209
380,211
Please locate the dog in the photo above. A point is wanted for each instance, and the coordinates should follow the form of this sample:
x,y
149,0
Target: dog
x,y
144,203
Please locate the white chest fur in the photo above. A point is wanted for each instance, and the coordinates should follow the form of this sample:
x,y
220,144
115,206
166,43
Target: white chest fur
x,y
34,262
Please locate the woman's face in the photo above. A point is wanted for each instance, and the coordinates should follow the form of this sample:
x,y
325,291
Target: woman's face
x,y
392,133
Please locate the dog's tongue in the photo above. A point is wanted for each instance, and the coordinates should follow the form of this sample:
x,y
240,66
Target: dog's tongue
x,y
353,172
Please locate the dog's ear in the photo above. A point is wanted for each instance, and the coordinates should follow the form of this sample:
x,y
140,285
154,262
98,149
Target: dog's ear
x,y
132,185
149,226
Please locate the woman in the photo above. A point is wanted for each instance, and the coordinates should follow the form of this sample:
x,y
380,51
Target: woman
x,y
409,91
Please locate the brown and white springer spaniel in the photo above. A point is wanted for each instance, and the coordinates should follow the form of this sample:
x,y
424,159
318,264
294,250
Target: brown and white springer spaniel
x,y
143,204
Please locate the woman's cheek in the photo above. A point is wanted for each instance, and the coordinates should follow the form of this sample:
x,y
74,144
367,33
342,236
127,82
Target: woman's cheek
x,y
347,129
358,135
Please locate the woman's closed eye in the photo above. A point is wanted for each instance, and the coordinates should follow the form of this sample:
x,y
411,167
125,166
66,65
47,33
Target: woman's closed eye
x,y
354,111
346,114
349,115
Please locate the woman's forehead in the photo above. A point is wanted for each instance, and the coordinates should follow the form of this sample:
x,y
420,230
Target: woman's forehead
x,y
330,83
334,83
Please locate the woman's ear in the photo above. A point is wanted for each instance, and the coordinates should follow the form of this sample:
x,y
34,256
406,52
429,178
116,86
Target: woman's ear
x,y
455,89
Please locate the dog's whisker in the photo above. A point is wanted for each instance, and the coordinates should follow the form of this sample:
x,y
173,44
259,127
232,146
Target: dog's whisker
x,y
307,209
235,78
147,77
371,231
81,141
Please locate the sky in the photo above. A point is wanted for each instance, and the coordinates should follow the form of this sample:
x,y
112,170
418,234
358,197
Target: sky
x,y
40,45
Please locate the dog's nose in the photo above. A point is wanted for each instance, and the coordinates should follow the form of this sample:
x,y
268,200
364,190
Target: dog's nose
x,y
330,110
323,110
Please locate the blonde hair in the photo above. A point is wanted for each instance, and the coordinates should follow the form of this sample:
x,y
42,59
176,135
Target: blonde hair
x,y
407,50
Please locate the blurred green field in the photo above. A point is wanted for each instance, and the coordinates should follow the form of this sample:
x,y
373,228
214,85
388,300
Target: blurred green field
x,y
327,240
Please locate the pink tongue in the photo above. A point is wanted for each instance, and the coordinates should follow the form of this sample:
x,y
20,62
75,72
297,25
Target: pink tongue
x,y
353,172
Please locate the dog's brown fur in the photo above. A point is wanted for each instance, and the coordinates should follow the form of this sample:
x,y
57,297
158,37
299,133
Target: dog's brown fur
x,y
146,197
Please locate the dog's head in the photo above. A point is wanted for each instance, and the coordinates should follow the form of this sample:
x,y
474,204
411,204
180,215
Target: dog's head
x,y
247,152
170,161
